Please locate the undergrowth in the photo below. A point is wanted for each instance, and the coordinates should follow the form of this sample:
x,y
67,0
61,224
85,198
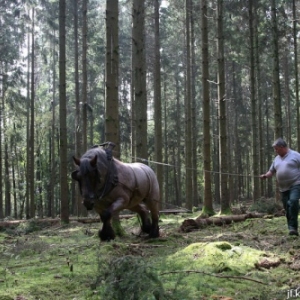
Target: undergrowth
x,y
254,259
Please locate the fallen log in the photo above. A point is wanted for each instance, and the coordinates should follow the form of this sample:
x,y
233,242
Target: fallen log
x,y
52,222
84,220
189,225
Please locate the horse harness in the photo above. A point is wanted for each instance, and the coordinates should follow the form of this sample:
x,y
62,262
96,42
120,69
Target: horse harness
x,y
112,179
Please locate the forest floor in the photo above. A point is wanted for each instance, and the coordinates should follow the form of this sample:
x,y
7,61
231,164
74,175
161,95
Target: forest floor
x,y
254,259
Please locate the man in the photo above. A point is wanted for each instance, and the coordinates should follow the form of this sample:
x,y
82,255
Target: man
x,y
286,166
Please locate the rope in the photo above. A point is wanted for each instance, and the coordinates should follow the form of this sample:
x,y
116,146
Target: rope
x,y
195,169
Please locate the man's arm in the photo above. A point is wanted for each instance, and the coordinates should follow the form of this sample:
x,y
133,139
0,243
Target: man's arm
x,y
266,175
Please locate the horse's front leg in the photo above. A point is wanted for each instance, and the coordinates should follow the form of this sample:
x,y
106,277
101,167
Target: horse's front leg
x,y
107,233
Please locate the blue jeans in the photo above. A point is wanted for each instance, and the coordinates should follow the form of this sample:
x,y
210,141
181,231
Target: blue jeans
x,y
290,201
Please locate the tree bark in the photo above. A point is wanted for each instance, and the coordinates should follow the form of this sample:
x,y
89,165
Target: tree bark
x,y
278,127
157,103
112,75
64,195
224,195
139,80
32,124
188,115
206,149
295,32
255,140
84,75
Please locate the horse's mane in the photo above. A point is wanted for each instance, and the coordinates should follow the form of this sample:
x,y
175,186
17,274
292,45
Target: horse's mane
x,y
85,166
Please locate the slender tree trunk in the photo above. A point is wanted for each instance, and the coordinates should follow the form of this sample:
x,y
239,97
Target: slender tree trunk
x,y
15,178
208,202
139,75
6,160
79,208
178,139
1,149
278,126
188,120
166,156
295,32
64,195
157,102
27,196
255,140
224,195
278,130
194,129
112,75
32,124
262,166
51,210
84,74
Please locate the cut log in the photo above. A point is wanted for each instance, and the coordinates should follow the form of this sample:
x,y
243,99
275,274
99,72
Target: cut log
x,y
195,224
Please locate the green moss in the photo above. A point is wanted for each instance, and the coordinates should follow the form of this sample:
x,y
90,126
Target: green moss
x,y
216,257
207,212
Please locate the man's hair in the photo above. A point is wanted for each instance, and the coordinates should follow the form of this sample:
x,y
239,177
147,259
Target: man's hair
x,y
279,143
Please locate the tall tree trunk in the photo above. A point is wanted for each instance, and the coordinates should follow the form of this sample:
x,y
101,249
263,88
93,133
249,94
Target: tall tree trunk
x,y
139,75
178,138
27,193
188,120
157,102
112,75
14,168
79,208
224,195
7,199
194,113
208,202
7,184
278,126
32,124
64,195
51,210
278,130
255,140
84,74
262,166
1,149
295,32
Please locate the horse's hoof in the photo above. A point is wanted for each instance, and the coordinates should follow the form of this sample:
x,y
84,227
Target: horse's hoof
x,y
146,229
106,237
154,233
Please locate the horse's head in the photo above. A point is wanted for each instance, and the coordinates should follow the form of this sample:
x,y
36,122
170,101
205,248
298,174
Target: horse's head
x,y
88,176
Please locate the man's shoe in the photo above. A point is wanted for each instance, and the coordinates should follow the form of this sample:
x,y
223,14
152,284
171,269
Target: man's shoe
x,y
294,232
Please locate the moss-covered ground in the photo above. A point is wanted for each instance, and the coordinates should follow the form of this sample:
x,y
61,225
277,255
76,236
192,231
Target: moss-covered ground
x,y
255,259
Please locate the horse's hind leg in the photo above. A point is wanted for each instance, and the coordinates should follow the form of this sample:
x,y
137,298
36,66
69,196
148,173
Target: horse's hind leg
x,y
141,210
152,205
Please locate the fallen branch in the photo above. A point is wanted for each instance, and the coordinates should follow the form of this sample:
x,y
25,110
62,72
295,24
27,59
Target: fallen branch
x,y
194,224
86,220
215,275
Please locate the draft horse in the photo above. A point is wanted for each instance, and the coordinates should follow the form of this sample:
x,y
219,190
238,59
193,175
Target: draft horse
x,y
108,186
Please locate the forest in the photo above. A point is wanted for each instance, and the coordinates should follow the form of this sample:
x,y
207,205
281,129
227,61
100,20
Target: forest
x,y
198,90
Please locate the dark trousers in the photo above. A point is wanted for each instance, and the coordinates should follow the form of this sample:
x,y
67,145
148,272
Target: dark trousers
x,y
290,201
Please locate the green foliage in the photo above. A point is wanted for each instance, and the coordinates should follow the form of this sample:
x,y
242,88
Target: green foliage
x,y
130,277
264,205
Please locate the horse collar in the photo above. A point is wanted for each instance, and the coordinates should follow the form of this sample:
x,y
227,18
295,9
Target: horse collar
x,y
111,179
